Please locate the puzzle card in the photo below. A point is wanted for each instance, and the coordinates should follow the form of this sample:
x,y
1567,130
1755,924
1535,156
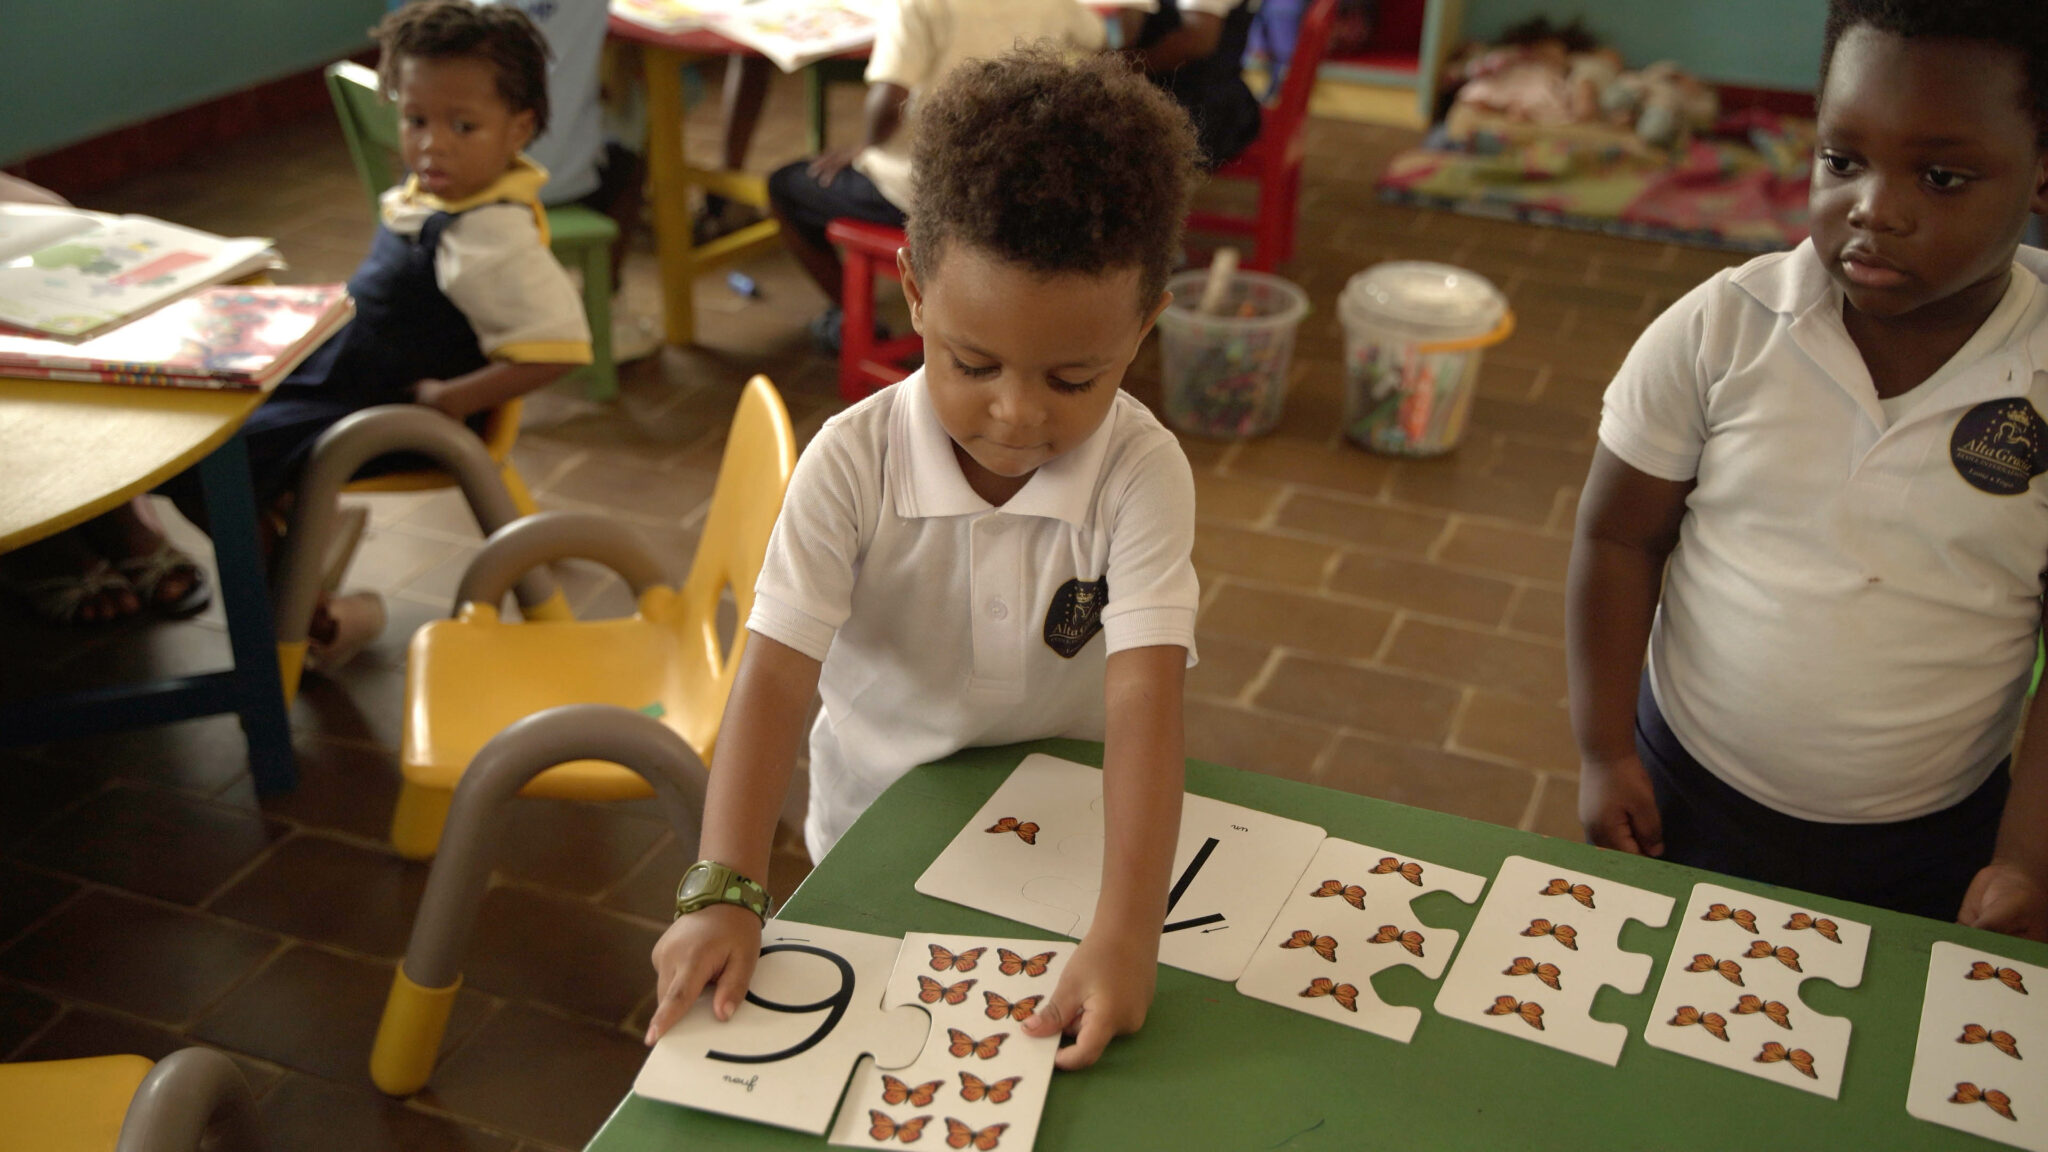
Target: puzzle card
x,y
1544,942
1347,920
1730,994
1983,1026
815,1008
1034,853
980,1081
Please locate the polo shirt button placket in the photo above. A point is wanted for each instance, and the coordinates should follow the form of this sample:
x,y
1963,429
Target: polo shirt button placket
x,y
998,610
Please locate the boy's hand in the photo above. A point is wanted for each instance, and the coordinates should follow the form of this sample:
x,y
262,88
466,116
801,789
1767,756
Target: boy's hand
x,y
827,167
1618,808
1104,992
432,394
720,943
2004,898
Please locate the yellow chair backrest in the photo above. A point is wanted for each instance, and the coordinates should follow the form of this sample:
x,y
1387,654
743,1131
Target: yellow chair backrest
x,y
67,1105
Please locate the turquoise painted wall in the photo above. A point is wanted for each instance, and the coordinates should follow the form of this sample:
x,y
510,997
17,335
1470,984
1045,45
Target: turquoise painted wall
x,y
1760,43
73,69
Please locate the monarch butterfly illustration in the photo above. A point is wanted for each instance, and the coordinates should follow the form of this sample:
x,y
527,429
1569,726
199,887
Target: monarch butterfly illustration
x,y
1742,916
1800,921
1583,893
1011,963
1715,1023
881,1127
959,1135
1352,893
1025,830
1785,955
1798,1058
2010,977
2003,1041
931,991
973,1088
1020,1010
1325,946
1530,1011
1345,995
1410,871
1729,969
1999,1102
957,961
965,1045
1523,966
1564,934
895,1091
1389,934
1773,1011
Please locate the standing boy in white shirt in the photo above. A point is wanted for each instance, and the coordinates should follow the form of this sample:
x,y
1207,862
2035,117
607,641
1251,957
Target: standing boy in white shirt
x,y
951,546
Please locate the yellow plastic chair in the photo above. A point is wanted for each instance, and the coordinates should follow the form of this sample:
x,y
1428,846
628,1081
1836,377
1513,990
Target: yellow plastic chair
x,y
470,676
195,1098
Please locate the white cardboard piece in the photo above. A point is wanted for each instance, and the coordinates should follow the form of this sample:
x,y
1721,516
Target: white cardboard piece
x,y
1960,993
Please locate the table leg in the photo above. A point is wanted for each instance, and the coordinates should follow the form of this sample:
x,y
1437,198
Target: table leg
x,y
258,691
665,163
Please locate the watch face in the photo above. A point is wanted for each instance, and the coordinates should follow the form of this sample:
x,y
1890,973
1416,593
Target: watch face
x,y
696,882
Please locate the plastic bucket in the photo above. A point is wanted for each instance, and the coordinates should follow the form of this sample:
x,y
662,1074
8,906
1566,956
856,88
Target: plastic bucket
x,y
1225,375
1414,334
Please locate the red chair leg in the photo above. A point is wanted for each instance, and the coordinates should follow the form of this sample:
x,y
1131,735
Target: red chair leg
x,y
857,330
1290,216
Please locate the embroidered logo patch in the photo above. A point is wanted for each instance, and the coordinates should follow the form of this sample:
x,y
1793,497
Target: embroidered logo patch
x,y
1075,615
2000,446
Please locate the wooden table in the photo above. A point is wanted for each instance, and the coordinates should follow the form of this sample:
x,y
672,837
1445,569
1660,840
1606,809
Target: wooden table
x,y
1213,1069
70,451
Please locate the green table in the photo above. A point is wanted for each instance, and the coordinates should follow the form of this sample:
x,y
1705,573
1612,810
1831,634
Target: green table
x,y
1216,1070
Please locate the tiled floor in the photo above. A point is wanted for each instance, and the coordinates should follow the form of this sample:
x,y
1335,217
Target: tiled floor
x,y
1387,627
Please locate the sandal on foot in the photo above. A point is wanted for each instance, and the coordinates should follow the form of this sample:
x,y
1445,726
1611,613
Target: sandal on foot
x,y
58,599
147,573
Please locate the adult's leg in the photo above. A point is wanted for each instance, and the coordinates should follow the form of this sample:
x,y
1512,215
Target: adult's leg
x,y
805,206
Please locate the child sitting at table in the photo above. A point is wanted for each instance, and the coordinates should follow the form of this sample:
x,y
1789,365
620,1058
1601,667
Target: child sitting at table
x,y
950,546
1837,449
459,305
917,44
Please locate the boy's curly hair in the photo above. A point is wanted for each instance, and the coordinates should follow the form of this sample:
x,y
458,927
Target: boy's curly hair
x,y
497,34
1060,166
2020,25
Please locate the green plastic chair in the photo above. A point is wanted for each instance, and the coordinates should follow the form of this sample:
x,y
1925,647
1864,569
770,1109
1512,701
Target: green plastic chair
x,y
580,237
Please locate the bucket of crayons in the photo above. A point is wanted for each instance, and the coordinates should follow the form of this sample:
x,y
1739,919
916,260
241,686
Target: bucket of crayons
x,y
1223,372
1414,334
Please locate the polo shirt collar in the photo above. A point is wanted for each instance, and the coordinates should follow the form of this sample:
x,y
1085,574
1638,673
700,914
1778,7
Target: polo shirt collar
x,y
928,481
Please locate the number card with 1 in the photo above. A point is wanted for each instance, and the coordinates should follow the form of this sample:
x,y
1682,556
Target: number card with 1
x,y
980,1081
1983,1027
815,1007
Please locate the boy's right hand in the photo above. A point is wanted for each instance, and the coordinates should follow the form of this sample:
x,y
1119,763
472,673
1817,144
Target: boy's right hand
x,y
720,943
1618,808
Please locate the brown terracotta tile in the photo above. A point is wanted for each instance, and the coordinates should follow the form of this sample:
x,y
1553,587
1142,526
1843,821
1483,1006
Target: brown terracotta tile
x,y
1291,620
1516,551
342,788
650,892
1502,663
1224,499
366,900
1372,699
22,1014
565,953
1535,421
1557,810
1506,383
27,896
1429,778
1261,556
1579,387
1539,611
1254,741
1335,467
33,791
1535,734
1542,466
141,958
200,756
1226,666
538,1075
84,1032
578,848
1422,587
324,1116
317,1011
158,843
362,703
1374,526
607,483
1453,486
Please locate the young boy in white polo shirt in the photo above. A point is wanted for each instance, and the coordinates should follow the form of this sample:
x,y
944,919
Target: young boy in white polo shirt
x,y
1840,443
951,546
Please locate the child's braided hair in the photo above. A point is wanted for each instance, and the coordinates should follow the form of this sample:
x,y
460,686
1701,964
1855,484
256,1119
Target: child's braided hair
x,y
498,34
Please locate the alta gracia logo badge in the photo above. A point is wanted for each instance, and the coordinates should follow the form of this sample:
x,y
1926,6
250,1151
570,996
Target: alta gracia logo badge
x,y
1999,446
1075,615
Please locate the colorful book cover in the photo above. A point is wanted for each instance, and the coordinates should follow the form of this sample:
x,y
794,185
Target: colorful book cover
x,y
798,33
671,15
72,274
230,337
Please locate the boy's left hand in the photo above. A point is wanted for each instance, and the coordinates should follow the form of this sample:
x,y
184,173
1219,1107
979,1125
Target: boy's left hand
x,y
1104,992
433,394
2005,898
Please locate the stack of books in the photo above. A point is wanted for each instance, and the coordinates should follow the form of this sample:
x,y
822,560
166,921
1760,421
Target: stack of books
x,y
245,337
72,274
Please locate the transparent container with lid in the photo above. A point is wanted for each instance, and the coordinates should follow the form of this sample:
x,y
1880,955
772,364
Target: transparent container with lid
x,y
1414,335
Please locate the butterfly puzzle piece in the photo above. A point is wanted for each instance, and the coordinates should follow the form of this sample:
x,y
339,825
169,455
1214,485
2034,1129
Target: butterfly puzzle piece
x,y
1348,918
1981,1029
1742,959
1549,934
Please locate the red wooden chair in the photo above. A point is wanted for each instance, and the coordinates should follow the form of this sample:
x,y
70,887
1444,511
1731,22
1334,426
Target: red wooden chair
x,y
865,363
1274,159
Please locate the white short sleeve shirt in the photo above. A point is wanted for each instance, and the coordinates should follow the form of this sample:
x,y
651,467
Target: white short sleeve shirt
x,y
1847,626
945,622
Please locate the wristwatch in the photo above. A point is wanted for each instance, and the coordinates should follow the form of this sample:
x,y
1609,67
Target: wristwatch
x,y
708,882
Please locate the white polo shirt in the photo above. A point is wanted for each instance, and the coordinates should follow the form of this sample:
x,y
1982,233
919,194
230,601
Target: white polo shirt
x,y
1847,626
945,622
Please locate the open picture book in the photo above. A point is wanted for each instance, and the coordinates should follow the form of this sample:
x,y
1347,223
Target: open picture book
x,y
72,274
